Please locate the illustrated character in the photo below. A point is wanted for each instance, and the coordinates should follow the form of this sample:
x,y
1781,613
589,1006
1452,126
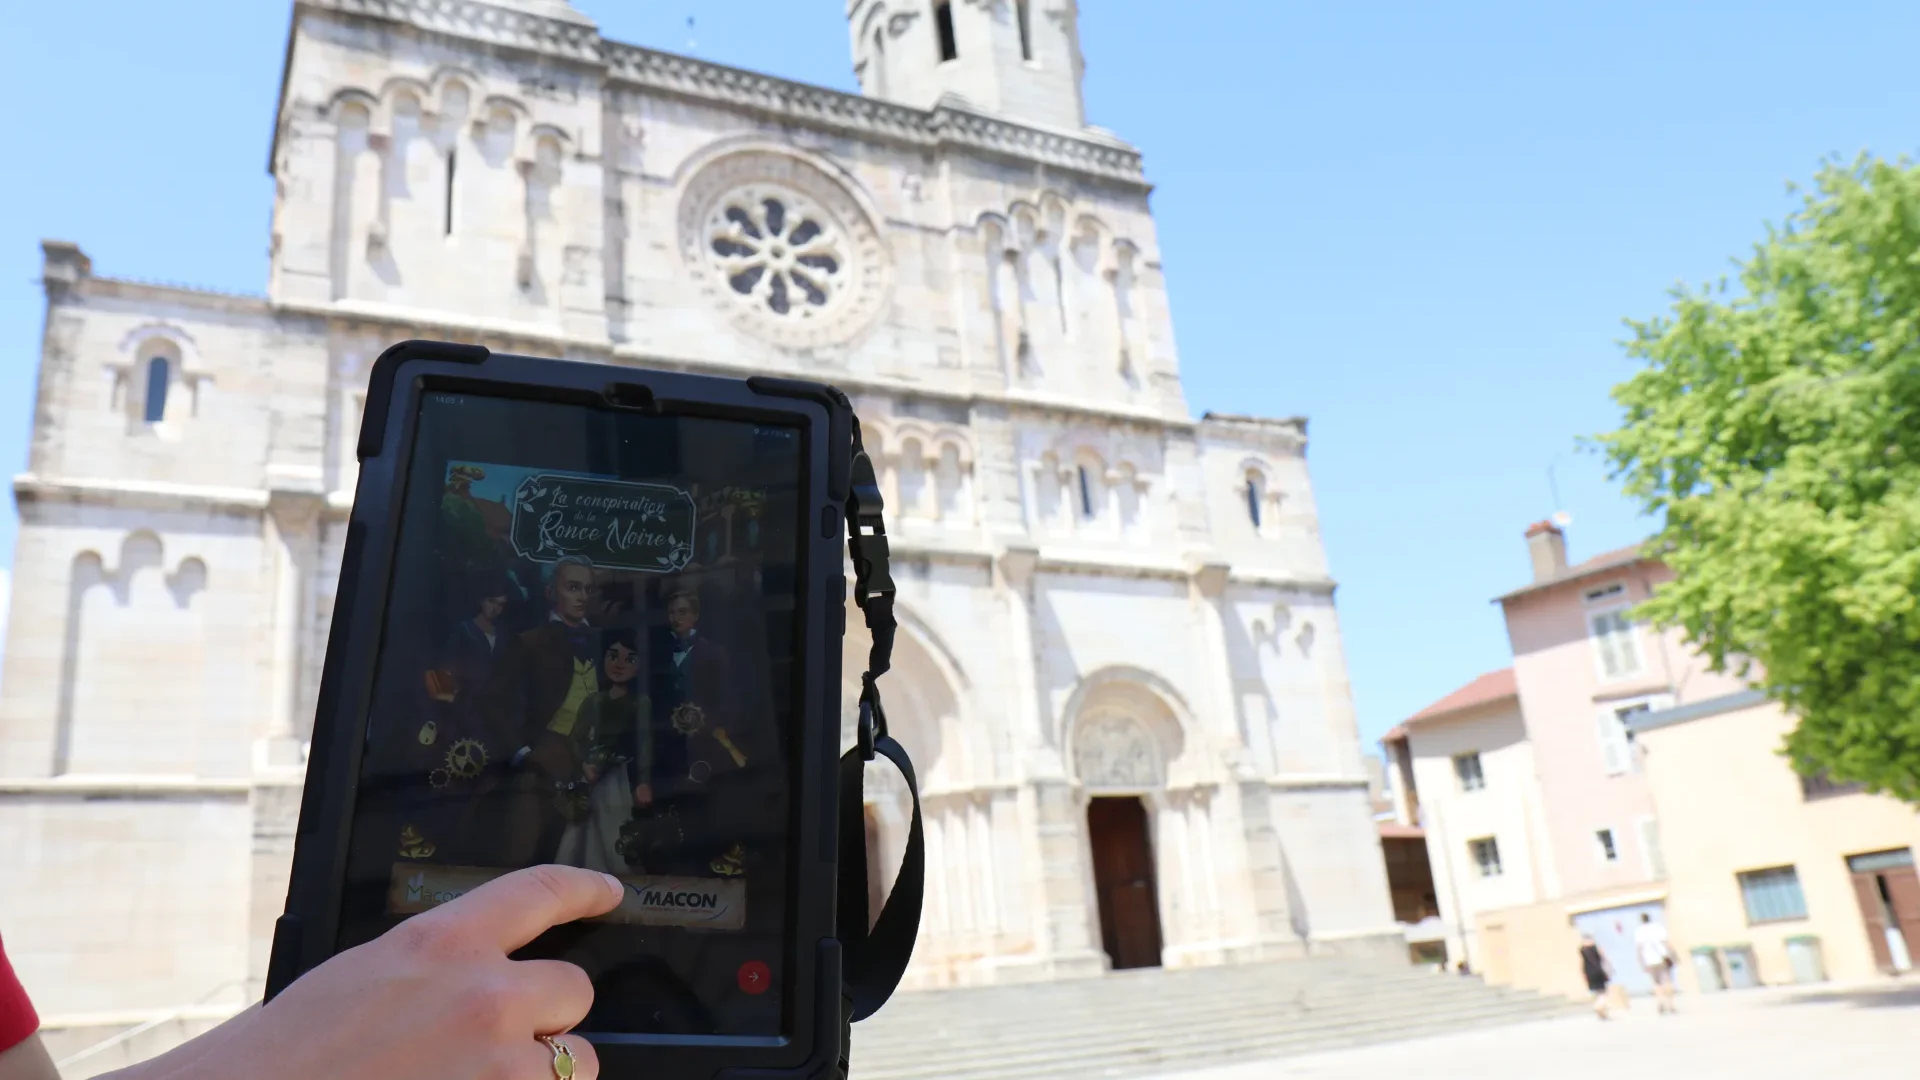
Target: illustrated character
x,y
540,680
450,743
700,671
700,750
612,740
474,642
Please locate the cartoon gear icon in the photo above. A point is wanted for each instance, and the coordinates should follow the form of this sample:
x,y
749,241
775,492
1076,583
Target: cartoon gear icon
x,y
688,718
466,758
439,778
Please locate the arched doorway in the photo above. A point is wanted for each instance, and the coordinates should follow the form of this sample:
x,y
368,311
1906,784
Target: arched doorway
x,y
1122,739
961,919
1125,885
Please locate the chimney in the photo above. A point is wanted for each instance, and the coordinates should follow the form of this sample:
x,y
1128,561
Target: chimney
x,y
63,267
1547,548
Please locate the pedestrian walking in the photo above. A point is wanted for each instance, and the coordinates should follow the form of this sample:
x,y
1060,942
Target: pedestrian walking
x,y
1598,972
1655,953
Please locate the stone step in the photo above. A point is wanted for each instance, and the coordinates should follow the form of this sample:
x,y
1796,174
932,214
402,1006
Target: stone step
x,y
1158,1051
1176,986
923,1027
1134,1023
1267,983
1072,1041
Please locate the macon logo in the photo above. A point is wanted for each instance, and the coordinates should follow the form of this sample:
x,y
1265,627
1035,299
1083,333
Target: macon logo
x,y
709,903
665,898
419,892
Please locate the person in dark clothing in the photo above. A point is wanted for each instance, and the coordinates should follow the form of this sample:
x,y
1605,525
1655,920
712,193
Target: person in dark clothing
x,y
473,642
540,679
1593,964
701,752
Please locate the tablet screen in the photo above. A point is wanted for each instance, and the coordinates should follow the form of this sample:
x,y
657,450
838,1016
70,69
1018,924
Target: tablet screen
x,y
586,658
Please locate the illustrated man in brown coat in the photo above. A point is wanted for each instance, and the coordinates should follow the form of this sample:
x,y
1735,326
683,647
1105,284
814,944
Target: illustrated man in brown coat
x,y
540,679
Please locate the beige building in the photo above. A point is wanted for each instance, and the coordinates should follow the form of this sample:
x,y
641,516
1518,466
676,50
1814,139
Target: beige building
x,y
1469,774
1119,638
1774,878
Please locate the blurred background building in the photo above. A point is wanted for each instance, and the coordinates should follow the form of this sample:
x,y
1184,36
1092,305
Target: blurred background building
x,y
1610,774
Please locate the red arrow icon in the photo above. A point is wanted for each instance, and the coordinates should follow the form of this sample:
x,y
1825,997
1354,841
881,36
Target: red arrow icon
x,y
755,978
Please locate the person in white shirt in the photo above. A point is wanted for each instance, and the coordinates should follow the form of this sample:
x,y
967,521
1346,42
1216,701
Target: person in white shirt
x,y
1655,952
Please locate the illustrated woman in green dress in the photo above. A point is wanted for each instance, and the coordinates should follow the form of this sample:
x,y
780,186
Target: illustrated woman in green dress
x,y
614,746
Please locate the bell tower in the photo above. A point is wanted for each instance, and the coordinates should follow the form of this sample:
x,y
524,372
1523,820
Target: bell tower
x,y
1016,59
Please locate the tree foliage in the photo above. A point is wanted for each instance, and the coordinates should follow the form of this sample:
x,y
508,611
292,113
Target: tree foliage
x,y
1776,426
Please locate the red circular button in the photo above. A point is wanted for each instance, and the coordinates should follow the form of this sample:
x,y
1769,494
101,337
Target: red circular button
x,y
755,978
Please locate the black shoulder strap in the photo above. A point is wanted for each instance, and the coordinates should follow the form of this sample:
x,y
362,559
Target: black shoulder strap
x,y
873,959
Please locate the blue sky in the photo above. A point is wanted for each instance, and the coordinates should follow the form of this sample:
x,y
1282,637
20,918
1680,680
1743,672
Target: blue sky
x,y
1418,224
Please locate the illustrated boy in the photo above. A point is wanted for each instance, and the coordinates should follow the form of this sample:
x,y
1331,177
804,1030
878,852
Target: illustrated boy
x,y
701,747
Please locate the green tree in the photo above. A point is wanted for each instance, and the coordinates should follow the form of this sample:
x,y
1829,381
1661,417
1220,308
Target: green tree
x,y
1776,427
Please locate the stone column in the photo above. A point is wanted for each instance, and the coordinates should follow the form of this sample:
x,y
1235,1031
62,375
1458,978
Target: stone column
x,y
1034,742
1209,592
291,527
1050,811
1238,823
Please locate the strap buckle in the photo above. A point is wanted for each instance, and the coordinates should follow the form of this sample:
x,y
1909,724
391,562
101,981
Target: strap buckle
x,y
867,535
873,591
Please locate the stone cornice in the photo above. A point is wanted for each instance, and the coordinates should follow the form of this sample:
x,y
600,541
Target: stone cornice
x,y
573,39
946,124
1311,782
29,489
166,292
1023,556
1089,153
1287,434
533,338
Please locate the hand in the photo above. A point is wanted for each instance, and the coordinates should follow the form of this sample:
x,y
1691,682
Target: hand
x,y
435,996
643,795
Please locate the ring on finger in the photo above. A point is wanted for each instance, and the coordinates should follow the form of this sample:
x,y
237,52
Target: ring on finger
x,y
563,1059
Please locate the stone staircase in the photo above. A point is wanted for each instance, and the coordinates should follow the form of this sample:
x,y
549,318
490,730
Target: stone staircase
x,y
1141,1022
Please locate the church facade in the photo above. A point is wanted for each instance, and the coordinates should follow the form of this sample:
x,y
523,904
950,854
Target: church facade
x,y
1120,669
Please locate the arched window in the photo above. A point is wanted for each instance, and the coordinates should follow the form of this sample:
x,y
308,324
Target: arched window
x,y
159,372
1023,10
1253,499
912,478
943,22
1086,493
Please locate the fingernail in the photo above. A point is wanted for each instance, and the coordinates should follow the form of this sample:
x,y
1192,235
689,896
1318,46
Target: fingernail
x,y
619,890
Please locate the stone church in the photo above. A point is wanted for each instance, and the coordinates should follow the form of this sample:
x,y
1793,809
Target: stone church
x,y
1120,670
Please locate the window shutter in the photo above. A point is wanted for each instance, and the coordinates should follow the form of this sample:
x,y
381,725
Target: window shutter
x,y
1650,848
1603,643
1613,742
1624,645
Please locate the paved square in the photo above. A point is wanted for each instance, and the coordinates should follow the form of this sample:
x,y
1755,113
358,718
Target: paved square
x,y
1772,1034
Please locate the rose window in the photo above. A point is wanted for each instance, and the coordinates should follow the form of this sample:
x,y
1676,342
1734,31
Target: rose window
x,y
785,248
777,252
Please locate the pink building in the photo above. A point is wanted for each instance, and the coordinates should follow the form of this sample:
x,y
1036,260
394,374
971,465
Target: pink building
x,y
1552,825
1583,669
